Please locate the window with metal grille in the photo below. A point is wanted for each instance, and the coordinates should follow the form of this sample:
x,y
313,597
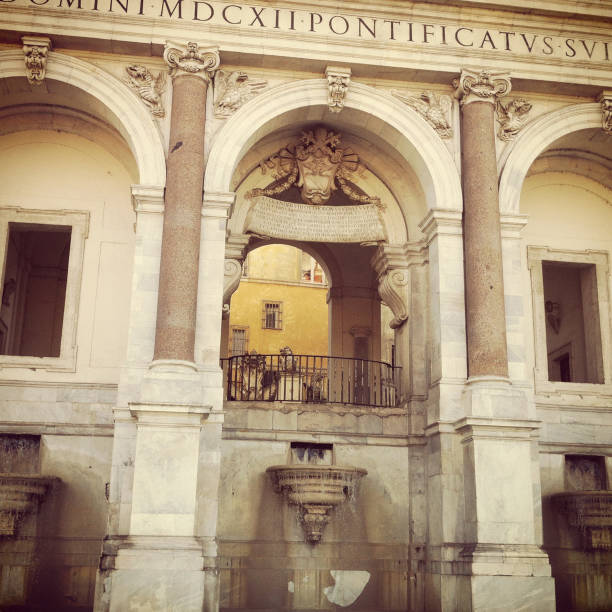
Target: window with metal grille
x,y
272,315
240,341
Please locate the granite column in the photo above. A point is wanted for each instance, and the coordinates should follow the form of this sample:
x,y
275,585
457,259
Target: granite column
x,y
502,563
191,70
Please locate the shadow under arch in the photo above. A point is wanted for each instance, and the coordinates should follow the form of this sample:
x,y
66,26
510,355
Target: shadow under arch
x,y
375,112
533,141
125,111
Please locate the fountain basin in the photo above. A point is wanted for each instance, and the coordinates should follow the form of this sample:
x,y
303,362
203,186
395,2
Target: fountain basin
x,y
316,490
20,494
591,512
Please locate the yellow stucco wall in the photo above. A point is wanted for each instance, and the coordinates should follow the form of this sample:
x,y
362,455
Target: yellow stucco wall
x,y
304,316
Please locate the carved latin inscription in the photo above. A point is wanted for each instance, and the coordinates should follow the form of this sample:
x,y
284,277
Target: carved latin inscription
x,y
291,221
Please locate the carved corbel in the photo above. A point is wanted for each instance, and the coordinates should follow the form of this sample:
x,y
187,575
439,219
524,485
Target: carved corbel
x,y
192,59
35,50
483,86
392,268
393,290
232,272
338,81
605,99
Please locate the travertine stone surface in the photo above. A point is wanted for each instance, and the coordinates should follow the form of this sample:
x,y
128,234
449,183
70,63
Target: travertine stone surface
x,y
178,279
484,284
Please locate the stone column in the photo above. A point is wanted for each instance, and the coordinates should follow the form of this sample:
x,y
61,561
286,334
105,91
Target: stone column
x,y
500,563
163,557
484,285
191,70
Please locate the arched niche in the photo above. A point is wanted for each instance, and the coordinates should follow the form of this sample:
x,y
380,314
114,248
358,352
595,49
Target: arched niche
x,y
77,85
534,141
401,141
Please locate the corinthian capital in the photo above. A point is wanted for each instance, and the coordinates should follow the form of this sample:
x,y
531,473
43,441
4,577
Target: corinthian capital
x,y
192,59
483,86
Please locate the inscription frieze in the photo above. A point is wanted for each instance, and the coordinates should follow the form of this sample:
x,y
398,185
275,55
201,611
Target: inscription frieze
x,y
342,26
293,221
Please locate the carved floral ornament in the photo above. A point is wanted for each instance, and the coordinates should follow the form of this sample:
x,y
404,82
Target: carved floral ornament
x,y
435,109
192,59
35,50
483,86
148,87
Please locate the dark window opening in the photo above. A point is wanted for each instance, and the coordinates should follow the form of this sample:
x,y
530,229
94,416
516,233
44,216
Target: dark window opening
x,y
573,335
34,289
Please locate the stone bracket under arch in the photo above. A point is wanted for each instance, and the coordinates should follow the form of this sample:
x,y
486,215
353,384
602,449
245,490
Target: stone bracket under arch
x,y
393,274
235,248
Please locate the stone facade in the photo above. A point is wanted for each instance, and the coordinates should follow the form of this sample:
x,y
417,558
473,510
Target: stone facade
x,y
430,157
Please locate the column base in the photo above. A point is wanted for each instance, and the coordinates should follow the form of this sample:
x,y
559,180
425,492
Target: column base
x,y
157,573
183,383
506,594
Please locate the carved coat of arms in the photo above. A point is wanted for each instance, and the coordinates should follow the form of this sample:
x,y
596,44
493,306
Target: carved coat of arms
x,y
317,165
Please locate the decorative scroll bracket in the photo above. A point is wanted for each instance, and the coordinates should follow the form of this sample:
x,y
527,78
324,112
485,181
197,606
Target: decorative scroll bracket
x,y
338,81
232,270
393,274
35,50
483,86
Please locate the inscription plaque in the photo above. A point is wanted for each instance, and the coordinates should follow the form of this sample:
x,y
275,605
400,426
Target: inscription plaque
x,y
270,217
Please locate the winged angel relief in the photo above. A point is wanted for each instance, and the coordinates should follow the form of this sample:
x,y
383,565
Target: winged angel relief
x,y
317,165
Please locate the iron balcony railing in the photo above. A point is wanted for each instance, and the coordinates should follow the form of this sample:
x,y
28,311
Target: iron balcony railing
x,y
311,378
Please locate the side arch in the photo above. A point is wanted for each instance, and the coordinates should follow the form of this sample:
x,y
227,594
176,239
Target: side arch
x,y
133,120
533,140
374,111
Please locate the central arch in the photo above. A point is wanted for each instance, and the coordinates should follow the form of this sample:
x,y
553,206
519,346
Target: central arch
x,y
380,115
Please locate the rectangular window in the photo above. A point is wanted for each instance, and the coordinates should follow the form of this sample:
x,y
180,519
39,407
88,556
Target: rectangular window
x,y
272,315
573,338
571,315
585,473
42,255
240,341
34,289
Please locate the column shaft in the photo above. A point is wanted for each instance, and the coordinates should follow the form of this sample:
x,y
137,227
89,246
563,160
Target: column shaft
x,y
484,285
178,278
